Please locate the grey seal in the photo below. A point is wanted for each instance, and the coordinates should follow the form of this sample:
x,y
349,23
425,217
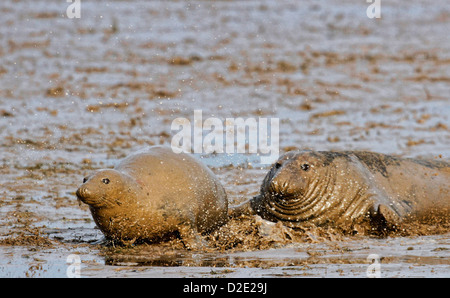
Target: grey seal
x,y
352,188
155,193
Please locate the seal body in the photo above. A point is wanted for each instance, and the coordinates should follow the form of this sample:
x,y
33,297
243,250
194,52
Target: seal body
x,y
153,194
349,187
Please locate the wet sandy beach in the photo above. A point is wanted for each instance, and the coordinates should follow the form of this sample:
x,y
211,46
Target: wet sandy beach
x,y
80,94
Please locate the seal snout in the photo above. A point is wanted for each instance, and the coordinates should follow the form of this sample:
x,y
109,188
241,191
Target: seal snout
x,y
87,196
82,193
284,183
278,186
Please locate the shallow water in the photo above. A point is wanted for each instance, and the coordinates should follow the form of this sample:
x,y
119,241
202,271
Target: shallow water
x,y
422,256
80,94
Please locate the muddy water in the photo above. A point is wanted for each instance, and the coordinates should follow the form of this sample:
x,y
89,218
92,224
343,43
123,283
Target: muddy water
x,y
80,94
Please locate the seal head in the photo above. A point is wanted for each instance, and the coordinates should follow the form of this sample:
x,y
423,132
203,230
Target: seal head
x,y
105,188
297,189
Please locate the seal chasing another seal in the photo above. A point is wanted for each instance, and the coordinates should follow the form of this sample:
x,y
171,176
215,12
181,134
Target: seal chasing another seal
x,y
343,189
153,194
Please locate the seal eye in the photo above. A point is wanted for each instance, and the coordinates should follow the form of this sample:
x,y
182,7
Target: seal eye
x,y
305,167
277,165
85,180
105,180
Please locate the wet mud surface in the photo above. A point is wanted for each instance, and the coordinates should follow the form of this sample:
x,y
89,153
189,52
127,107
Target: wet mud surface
x,y
78,95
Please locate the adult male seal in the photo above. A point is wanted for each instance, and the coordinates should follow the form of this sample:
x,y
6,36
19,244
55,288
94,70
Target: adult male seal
x,y
153,194
353,188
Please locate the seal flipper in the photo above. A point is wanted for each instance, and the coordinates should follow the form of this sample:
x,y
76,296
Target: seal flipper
x,y
244,208
383,219
389,215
